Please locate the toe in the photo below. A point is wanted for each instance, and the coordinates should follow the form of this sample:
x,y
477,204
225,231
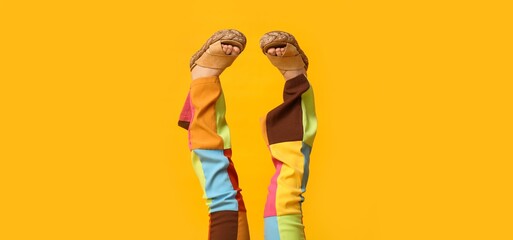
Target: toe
x,y
279,52
229,50
236,50
271,51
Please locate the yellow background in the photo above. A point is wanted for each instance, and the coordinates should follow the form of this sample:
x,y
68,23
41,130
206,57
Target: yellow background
x,y
413,99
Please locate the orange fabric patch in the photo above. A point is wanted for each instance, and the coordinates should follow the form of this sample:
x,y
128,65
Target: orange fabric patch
x,y
203,130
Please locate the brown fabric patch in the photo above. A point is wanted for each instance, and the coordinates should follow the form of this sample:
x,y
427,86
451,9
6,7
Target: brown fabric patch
x,y
224,225
285,122
184,124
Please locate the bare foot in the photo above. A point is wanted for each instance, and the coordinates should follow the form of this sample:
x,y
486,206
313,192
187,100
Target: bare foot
x,y
200,72
280,51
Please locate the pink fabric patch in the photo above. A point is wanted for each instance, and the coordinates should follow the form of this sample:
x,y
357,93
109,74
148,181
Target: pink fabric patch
x,y
270,205
190,110
187,112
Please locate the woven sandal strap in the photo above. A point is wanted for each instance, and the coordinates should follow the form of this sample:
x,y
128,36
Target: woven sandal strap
x,y
291,60
215,57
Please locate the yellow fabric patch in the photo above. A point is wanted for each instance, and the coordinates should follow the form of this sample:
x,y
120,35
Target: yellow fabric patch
x,y
289,181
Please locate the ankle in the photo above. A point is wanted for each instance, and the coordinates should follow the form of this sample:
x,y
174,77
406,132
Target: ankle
x,y
201,72
290,74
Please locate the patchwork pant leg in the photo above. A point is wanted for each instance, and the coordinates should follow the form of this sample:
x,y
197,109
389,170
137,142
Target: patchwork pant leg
x,y
203,116
289,131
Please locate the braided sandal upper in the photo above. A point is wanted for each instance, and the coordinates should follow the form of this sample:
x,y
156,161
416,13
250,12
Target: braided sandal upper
x,y
211,54
293,59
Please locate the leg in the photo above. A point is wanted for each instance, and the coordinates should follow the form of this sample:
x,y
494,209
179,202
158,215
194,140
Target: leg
x,y
289,131
209,140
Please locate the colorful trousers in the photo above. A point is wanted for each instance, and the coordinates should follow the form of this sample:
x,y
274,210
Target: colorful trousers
x,y
289,131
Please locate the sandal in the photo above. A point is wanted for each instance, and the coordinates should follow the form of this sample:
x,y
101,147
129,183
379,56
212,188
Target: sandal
x,y
211,55
293,59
